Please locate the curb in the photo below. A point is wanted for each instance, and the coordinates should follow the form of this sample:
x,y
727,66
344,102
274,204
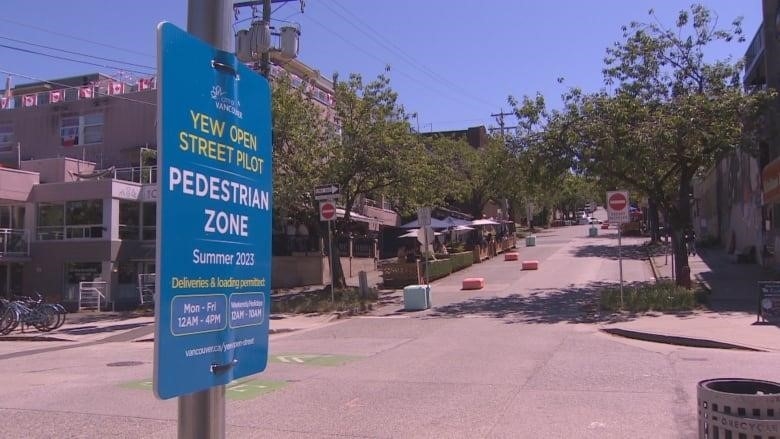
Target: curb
x,y
676,340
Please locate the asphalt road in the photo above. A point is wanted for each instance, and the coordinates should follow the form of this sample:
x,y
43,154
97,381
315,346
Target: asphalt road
x,y
520,358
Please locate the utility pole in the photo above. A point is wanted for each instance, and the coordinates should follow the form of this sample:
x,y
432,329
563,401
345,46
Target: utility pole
x,y
500,119
202,414
265,60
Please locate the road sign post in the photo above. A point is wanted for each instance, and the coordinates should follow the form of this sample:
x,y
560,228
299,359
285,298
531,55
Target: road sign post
x,y
617,213
328,214
215,187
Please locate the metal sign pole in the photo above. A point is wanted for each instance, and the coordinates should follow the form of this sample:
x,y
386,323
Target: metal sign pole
x,y
425,255
202,414
330,262
620,262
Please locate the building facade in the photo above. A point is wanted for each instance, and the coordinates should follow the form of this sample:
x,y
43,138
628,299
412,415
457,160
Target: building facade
x,y
78,187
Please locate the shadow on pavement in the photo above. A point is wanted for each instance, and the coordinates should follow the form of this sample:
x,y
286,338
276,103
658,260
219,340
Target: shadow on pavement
x,y
733,287
93,329
542,306
82,318
610,251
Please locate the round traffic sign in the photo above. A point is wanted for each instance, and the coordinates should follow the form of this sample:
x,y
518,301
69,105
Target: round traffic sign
x,y
327,211
617,201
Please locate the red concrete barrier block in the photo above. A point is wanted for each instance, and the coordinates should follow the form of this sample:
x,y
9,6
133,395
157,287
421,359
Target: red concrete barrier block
x,y
473,283
530,265
604,225
511,256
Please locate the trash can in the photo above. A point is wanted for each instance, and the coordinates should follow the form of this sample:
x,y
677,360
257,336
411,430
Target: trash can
x,y
530,241
738,407
593,231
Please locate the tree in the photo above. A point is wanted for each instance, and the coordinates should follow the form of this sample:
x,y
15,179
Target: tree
x,y
375,153
697,108
301,138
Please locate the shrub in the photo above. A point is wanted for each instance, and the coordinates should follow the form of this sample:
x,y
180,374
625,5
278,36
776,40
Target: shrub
x,y
319,301
660,296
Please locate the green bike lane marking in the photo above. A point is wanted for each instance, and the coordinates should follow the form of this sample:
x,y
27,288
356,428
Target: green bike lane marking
x,y
327,360
252,388
236,390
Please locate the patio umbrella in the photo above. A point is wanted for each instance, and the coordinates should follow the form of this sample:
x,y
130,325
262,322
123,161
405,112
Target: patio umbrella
x,y
464,227
435,223
484,222
413,234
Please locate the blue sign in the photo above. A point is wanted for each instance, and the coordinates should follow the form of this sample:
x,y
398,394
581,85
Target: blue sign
x,y
213,217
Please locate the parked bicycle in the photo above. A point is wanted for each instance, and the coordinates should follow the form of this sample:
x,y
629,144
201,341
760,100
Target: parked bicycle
x,y
28,311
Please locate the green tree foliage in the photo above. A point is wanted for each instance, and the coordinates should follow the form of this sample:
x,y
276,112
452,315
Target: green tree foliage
x,y
301,140
696,108
376,154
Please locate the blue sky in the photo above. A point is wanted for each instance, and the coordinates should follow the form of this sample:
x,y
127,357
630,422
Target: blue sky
x,y
453,65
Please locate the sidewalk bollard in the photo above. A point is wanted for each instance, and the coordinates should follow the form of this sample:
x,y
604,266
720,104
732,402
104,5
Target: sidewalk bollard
x,y
530,241
593,231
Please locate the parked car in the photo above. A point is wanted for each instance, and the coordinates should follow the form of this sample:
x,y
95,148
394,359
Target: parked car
x,y
592,220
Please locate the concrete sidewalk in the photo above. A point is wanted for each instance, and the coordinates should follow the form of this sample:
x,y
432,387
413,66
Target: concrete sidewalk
x,y
729,319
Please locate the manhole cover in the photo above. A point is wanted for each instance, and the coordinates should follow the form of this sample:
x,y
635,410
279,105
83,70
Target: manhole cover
x,y
125,363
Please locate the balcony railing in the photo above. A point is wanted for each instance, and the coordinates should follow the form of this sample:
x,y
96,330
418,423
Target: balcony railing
x,y
14,242
754,51
137,174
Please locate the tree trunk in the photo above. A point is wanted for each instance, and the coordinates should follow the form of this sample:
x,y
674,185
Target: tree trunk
x,y
338,279
680,220
330,246
652,218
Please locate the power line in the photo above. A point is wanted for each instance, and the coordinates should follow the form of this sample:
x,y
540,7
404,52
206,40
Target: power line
x,y
19,75
368,53
20,49
76,38
77,53
398,51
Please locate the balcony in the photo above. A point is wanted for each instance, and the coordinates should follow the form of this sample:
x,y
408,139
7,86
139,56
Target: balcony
x,y
145,175
754,55
14,243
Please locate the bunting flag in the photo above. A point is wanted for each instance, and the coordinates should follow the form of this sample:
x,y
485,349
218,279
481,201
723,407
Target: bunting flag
x,y
144,83
56,96
7,100
30,100
86,92
115,88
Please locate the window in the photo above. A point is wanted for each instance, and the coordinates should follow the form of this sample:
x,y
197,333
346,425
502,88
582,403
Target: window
x,y
81,130
51,221
149,221
11,217
71,220
84,219
6,136
129,218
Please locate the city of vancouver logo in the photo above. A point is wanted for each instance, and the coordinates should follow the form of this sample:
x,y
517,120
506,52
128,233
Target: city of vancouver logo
x,y
225,102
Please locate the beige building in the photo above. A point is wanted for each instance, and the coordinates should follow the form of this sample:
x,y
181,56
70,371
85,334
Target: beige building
x,y
78,188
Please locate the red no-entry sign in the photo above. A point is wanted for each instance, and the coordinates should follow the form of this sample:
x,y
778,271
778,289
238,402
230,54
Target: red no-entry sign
x,y
327,211
617,207
617,201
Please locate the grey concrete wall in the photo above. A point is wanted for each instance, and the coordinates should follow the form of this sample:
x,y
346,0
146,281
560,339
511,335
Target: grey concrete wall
x,y
128,124
16,185
295,271
46,272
